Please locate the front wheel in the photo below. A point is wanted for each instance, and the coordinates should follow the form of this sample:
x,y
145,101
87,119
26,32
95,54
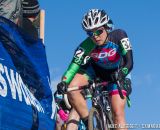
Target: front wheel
x,y
94,120
109,121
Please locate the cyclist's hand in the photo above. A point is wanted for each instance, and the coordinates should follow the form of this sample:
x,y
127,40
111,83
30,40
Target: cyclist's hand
x,y
118,76
121,75
62,87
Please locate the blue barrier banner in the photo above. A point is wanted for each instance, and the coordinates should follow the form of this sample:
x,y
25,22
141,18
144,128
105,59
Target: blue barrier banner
x,y
25,93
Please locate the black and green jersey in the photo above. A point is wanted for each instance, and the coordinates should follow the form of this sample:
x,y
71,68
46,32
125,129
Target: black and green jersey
x,y
116,53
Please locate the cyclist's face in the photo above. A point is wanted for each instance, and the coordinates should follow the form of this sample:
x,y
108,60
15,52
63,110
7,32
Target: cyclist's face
x,y
98,35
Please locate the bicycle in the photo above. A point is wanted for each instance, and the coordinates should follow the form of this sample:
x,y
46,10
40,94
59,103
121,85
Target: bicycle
x,y
101,106
100,115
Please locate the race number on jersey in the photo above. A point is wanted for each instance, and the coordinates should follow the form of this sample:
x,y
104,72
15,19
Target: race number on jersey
x,y
126,44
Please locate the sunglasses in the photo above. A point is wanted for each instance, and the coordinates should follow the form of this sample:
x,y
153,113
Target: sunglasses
x,y
95,33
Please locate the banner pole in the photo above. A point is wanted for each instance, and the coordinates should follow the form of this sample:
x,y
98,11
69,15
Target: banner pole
x,y
42,25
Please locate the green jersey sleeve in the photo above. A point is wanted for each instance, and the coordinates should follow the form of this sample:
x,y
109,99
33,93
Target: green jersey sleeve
x,y
80,57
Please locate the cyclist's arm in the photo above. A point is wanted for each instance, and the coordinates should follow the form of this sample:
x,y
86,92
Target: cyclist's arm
x,y
80,58
126,51
128,59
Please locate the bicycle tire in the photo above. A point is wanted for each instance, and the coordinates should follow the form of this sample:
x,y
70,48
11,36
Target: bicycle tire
x,y
94,112
109,121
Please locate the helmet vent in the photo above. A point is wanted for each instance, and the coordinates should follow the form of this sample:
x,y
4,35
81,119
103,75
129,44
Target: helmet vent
x,y
90,23
84,23
103,19
96,21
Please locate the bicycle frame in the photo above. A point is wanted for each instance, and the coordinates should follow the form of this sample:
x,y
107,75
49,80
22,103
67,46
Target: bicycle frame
x,y
101,101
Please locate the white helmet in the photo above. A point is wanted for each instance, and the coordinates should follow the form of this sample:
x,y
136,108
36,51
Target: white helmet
x,y
95,18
